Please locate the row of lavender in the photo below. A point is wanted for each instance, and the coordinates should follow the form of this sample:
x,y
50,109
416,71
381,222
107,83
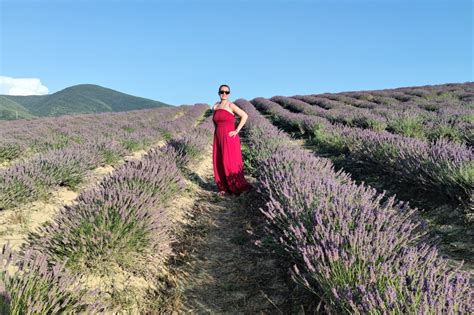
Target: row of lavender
x,y
447,112
124,222
24,138
441,168
428,98
33,179
357,254
453,123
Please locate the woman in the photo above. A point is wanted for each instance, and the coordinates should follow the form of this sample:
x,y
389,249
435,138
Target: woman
x,y
226,153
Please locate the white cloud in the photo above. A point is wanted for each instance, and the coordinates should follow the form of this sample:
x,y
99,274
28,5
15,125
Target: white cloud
x,y
22,86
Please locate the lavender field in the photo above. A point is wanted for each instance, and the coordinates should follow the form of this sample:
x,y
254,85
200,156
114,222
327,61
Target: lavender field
x,y
363,205
117,226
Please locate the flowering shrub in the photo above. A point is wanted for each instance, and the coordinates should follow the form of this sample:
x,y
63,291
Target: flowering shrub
x,y
36,288
356,253
442,168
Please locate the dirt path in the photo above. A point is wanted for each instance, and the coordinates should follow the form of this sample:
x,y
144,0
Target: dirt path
x,y
220,268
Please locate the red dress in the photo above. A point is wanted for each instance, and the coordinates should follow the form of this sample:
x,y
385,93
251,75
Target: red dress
x,y
227,155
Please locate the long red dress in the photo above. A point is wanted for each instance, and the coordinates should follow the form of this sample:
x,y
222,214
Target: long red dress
x,y
227,155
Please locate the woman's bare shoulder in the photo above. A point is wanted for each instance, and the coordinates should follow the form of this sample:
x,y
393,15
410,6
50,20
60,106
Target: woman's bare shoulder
x,y
232,104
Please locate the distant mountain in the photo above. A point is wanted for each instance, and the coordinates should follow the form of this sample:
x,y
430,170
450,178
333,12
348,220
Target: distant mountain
x,y
77,99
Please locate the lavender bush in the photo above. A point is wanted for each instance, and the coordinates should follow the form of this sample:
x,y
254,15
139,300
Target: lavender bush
x,y
190,146
117,222
440,168
29,286
358,254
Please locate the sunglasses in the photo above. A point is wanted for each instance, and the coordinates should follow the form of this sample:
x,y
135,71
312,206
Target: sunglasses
x,y
222,92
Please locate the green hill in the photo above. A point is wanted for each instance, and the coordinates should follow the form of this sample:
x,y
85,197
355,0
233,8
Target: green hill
x,y
10,110
77,99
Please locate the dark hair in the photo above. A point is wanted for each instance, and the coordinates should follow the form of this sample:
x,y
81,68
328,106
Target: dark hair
x,y
222,86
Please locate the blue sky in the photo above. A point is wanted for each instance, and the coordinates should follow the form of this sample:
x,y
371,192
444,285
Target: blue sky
x,y
179,52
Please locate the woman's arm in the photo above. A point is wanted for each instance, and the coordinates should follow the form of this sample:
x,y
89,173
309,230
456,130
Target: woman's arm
x,y
243,115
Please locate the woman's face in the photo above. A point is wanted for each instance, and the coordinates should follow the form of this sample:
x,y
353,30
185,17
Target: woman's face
x,y
224,96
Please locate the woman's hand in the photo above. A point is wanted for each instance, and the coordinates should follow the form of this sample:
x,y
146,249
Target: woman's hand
x,y
233,133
